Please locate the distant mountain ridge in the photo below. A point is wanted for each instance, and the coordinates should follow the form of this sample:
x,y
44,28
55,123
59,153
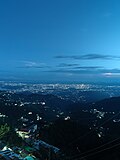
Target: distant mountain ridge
x,y
109,104
10,105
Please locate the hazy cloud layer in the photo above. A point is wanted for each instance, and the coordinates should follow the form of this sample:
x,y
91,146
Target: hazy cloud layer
x,y
75,68
30,64
67,65
94,70
89,67
88,57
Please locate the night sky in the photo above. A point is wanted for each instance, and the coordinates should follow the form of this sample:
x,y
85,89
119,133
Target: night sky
x,y
60,40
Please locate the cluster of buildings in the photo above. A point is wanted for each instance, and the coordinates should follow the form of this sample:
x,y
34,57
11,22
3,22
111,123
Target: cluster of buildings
x,y
29,134
10,154
32,146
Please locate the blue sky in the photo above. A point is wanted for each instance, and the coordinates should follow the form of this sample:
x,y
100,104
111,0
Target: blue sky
x,y
60,40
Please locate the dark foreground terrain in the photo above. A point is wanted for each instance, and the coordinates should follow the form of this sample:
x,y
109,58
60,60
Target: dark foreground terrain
x,y
79,130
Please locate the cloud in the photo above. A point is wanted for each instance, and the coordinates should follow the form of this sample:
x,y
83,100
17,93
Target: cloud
x,y
88,57
30,64
78,70
96,56
89,67
109,74
60,57
77,66
88,70
114,70
67,65
70,71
